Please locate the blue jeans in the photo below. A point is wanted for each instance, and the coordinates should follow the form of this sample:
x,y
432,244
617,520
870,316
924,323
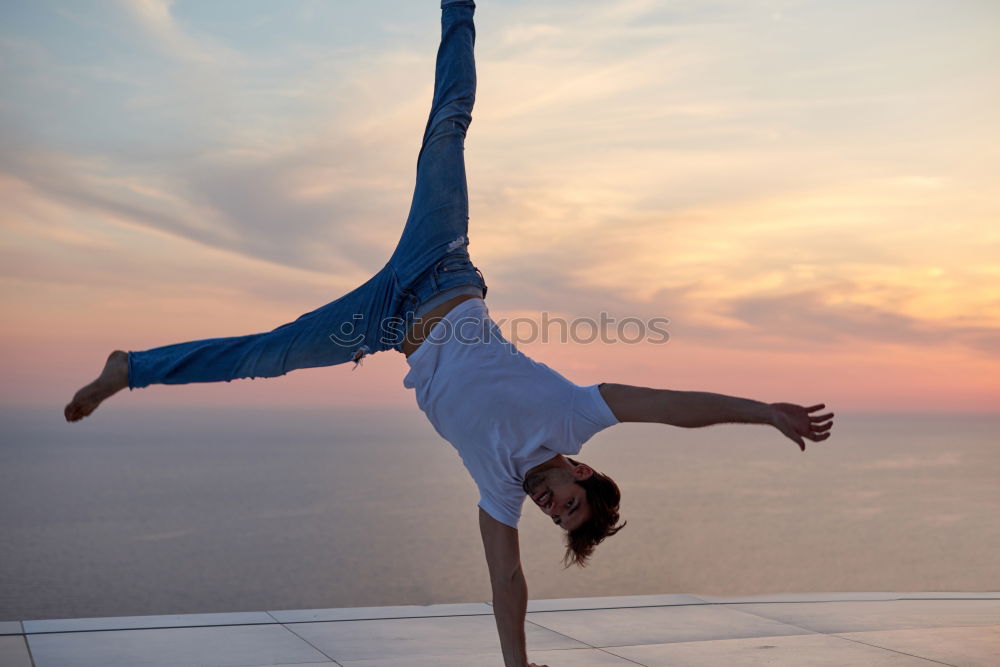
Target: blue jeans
x,y
430,261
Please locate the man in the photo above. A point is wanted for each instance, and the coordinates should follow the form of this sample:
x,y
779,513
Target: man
x,y
515,422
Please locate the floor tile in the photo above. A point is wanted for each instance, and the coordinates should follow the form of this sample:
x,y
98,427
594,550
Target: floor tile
x,y
831,617
655,625
138,622
400,638
10,628
371,613
587,657
964,647
227,646
578,658
570,604
14,652
796,651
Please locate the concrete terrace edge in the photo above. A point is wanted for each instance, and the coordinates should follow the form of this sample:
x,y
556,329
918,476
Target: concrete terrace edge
x,y
282,617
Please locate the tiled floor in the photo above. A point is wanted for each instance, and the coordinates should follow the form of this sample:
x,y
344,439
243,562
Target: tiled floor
x,y
804,630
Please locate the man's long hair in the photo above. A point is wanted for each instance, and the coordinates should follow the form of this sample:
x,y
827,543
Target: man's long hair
x,y
603,496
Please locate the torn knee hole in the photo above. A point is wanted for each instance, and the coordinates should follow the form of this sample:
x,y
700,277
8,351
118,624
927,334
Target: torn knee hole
x,y
359,354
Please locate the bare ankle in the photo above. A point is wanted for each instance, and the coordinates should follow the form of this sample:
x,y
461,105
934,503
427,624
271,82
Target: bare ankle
x,y
116,369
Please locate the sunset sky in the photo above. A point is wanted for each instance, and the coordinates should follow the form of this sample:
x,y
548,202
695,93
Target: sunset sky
x,y
808,191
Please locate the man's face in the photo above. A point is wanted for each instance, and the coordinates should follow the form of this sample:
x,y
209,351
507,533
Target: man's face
x,y
557,494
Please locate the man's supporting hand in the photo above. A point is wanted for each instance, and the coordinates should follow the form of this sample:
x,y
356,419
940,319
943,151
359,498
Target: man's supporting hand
x,y
510,591
797,422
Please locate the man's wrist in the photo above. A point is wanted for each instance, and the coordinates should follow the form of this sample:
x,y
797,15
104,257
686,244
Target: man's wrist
x,y
767,413
750,411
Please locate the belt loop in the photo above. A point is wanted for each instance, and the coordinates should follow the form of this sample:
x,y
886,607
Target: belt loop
x,y
482,278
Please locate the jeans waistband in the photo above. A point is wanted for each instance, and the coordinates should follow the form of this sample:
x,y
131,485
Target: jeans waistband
x,y
442,296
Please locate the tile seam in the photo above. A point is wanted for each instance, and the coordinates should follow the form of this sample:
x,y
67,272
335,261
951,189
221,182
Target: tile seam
x,y
321,652
152,627
385,618
27,645
912,655
801,627
561,634
604,650
275,621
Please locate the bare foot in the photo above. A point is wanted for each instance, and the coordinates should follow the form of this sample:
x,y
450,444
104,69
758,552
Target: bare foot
x,y
113,379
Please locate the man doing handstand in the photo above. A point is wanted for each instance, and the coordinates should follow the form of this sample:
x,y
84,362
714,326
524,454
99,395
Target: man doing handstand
x,y
515,422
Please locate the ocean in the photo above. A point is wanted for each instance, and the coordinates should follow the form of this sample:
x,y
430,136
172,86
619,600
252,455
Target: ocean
x,y
199,509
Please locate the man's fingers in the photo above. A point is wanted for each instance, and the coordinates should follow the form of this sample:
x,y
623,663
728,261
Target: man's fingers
x,y
821,427
821,418
816,407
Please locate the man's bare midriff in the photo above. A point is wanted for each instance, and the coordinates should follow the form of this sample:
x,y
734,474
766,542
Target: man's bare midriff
x,y
421,328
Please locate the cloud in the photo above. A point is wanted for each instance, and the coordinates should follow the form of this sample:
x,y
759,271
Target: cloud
x,y
753,182
323,186
828,315
247,209
155,18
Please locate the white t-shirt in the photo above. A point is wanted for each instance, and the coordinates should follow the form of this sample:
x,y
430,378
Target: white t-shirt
x,y
504,412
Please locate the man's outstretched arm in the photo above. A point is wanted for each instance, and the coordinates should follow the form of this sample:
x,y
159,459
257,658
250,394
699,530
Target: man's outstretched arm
x,y
691,409
510,591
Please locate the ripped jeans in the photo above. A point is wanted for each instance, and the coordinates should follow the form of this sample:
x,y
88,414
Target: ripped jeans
x,y
430,263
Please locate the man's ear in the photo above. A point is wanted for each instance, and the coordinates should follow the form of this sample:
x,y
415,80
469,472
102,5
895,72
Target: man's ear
x,y
582,471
